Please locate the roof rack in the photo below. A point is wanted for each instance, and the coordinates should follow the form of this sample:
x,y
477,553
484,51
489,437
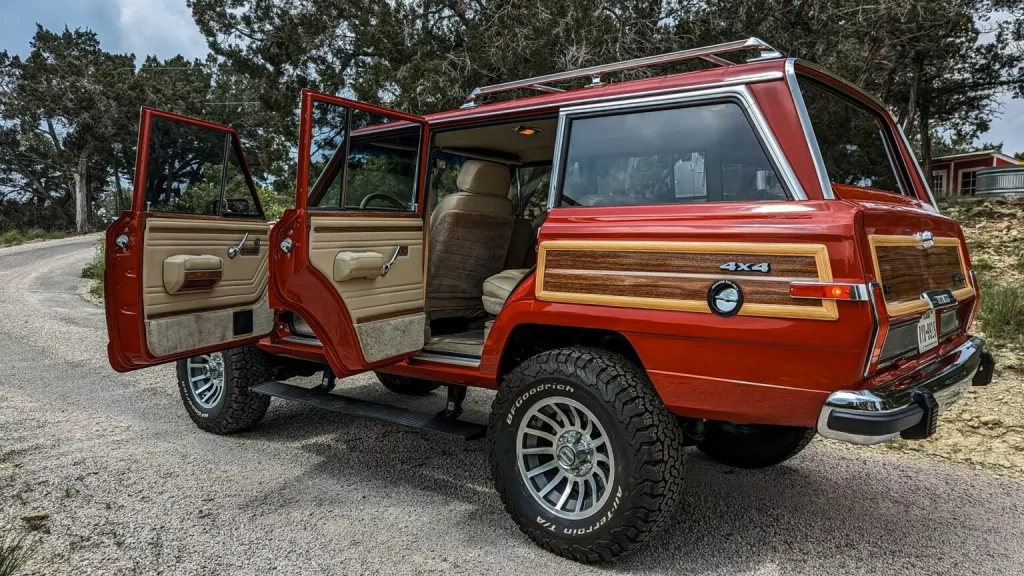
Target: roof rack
x,y
708,53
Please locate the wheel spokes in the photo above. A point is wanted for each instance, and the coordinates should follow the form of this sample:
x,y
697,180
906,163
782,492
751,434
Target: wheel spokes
x,y
542,468
554,482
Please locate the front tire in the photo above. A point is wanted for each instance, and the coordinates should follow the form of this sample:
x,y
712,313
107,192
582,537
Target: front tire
x,y
753,445
584,455
407,386
215,389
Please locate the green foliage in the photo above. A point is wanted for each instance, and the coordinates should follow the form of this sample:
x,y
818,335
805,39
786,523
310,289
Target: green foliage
x,y
95,270
1002,311
15,551
14,236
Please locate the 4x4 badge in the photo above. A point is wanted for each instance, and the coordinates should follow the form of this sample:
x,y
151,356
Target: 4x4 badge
x,y
746,267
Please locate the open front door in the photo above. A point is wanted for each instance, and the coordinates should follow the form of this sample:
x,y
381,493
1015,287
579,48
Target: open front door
x,y
187,265
349,259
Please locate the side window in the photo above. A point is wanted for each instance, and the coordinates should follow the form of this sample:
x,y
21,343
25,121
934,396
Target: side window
x,y
532,192
702,153
195,170
364,161
852,139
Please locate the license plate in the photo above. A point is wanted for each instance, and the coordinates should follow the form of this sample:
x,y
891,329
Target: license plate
x,y
927,335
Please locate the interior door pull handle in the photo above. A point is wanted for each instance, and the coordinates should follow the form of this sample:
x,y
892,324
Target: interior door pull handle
x,y
233,251
387,265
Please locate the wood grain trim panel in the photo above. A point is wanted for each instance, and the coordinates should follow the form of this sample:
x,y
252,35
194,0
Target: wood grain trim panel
x,y
356,213
389,315
350,229
196,280
261,232
909,277
677,275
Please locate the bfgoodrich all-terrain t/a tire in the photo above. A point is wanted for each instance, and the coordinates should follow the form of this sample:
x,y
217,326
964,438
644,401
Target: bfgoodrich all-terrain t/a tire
x,y
753,445
215,389
407,386
584,455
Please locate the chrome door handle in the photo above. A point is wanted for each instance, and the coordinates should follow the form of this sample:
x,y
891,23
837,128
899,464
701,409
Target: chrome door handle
x,y
286,245
233,251
387,265
122,241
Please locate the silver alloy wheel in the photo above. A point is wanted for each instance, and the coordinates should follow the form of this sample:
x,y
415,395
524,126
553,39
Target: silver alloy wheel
x,y
565,458
206,379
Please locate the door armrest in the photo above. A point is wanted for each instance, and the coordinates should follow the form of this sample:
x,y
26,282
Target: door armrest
x,y
352,265
192,273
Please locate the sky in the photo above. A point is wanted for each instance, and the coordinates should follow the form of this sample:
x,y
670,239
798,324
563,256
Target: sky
x,y
166,28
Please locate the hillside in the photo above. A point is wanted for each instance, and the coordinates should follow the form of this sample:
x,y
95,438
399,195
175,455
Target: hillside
x,y
986,428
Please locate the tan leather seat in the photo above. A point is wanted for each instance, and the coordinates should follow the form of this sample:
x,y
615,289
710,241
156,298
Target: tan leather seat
x,y
497,289
469,239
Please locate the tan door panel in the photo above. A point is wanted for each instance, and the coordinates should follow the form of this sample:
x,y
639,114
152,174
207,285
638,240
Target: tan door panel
x,y
387,310
201,318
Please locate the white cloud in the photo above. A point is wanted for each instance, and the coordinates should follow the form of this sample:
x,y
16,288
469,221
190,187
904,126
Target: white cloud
x,y
161,27
1008,127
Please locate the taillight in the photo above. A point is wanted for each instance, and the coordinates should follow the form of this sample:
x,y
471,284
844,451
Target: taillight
x,y
881,328
828,291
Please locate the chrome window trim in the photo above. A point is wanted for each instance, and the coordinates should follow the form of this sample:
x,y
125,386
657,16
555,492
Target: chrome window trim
x,y
808,129
740,93
917,165
512,112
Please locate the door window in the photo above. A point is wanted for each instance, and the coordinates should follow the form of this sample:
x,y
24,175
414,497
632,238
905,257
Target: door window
x,y
362,161
700,153
193,169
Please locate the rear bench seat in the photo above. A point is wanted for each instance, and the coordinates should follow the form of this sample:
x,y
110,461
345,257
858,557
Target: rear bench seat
x,y
498,287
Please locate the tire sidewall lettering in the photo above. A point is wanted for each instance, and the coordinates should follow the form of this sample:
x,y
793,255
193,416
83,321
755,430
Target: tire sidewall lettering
x,y
563,528
524,397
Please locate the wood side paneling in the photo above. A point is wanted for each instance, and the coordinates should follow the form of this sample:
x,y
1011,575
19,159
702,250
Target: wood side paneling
x,y
677,275
667,287
685,263
906,269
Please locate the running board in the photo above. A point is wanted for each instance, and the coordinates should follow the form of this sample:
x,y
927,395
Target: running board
x,y
373,410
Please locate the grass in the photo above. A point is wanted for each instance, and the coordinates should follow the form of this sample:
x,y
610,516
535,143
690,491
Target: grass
x,y
94,270
1002,311
15,551
13,236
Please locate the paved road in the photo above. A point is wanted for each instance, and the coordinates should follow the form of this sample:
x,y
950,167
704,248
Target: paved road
x,y
132,487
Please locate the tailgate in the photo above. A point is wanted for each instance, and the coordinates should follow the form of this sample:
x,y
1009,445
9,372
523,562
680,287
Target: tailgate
x,y
914,252
908,266
920,262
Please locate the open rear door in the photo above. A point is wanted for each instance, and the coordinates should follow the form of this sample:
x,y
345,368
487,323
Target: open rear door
x,y
186,267
349,259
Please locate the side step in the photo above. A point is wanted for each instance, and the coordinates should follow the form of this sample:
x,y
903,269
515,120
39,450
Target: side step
x,y
364,409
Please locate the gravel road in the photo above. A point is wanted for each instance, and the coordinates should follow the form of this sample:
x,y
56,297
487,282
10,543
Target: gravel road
x,y
123,483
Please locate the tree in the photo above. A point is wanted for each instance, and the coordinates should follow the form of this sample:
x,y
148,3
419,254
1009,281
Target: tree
x,y
923,58
61,108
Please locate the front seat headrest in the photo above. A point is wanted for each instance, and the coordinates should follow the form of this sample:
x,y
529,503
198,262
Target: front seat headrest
x,y
484,178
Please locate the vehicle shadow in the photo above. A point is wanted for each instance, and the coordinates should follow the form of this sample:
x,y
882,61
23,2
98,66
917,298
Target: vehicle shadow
x,y
824,510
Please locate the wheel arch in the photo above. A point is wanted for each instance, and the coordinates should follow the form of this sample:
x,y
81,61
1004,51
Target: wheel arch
x,y
529,339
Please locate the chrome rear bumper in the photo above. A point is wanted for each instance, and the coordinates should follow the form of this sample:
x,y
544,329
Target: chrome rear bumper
x,y
908,406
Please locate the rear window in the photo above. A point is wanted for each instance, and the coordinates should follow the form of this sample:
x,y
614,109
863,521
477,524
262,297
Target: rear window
x,y
852,139
705,153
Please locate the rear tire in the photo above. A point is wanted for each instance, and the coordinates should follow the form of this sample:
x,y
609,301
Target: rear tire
x,y
407,386
753,445
585,456
225,405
